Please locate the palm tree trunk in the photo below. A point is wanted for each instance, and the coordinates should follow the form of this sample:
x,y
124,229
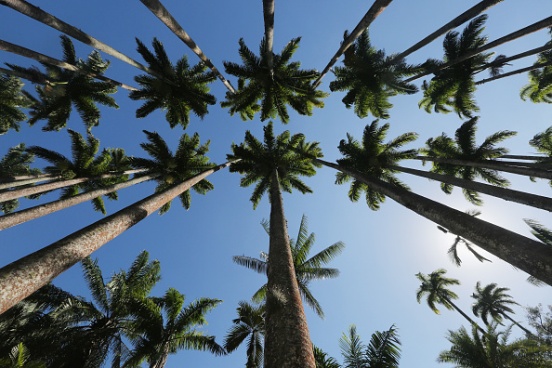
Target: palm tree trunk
x,y
16,218
491,164
287,342
31,180
529,255
521,55
19,50
527,332
547,22
376,9
21,278
162,360
472,322
514,72
268,14
530,158
459,20
163,14
40,15
527,199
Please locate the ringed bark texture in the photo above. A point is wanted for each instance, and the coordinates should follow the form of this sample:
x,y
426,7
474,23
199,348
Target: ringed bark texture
x,y
287,341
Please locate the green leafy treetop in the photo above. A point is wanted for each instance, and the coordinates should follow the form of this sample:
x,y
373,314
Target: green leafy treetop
x,y
11,101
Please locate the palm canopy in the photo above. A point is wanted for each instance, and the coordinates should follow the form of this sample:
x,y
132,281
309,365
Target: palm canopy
x,y
539,88
11,101
464,147
250,325
371,157
383,350
306,269
188,160
435,286
491,301
452,88
66,88
371,78
86,164
289,156
178,89
270,91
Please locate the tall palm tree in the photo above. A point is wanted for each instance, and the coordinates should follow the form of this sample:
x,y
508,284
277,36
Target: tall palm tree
x,y
12,100
383,350
250,325
370,79
463,147
270,91
72,88
453,87
493,301
306,269
162,326
181,90
275,166
435,288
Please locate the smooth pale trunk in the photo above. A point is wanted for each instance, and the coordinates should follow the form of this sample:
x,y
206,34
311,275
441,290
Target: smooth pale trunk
x,y
376,9
268,15
528,255
35,212
32,180
21,278
287,341
166,17
533,200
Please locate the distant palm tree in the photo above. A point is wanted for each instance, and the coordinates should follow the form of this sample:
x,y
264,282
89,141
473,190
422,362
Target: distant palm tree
x,y
435,286
383,350
250,325
72,88
539,88
270,91
12,100
306,269
181,90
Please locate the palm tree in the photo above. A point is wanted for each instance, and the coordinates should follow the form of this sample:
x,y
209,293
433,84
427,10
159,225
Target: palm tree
x,y
250,325
493,301
323,360
306,270
543,143
383,351
539,88
162,326
72,88
370,79
11,102
453,87
269,91
275,165
435,286
181,90
463,147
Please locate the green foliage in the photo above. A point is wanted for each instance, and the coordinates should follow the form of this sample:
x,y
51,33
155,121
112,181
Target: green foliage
x,y
189,160
383,351
492,301
463,147
11,101
539,88
371,78
270,91
65,88
323,360
435,286
452,88
373,158
178,89
282,158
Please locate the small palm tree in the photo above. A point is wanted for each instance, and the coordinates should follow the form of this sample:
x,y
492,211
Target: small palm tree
x,y
383,350
72,88
271,90
371,78
249,325
178,89
11,101
453,87
306,269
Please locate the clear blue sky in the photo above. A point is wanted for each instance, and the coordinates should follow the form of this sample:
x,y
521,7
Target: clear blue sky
x,y
384,249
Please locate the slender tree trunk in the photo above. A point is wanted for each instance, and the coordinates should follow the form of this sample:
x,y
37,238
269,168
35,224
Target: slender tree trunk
x,y
547,22
493,165
40,15
47,187
30,180
163,14
268,14
19,217
376,9
20,50
21,278
287,341
514,72
459,20
472,322
527,199
527,332
521,55
529,255
529,158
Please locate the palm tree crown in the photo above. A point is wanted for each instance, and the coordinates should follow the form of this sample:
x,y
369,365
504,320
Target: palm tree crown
x,y
181,90
11,102
539,88
492,301
284,84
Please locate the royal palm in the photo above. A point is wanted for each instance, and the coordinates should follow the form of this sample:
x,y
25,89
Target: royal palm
x,y
250,325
